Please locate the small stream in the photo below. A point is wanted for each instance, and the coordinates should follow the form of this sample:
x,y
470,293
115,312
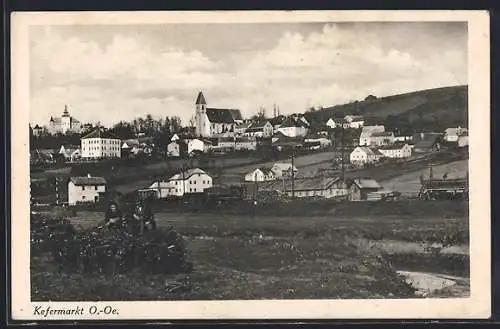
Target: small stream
x,y
435,284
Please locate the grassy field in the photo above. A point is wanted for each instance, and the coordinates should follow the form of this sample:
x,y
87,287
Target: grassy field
x,y
280,257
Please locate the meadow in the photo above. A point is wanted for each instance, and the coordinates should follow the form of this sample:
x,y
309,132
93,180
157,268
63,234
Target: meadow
x,y
280,257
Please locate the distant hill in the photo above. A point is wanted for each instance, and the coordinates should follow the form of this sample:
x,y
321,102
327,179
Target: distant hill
x,y
425,110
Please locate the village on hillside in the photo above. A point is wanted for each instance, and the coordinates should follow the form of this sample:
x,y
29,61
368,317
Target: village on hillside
x,y
222,156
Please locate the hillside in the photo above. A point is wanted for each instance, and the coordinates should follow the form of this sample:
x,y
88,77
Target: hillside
x,y
426,110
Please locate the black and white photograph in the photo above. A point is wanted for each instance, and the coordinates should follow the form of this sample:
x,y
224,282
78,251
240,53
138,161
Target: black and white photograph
x,y
279,161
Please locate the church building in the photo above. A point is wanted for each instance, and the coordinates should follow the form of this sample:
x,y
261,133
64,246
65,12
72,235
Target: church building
x,y
65,124
213,122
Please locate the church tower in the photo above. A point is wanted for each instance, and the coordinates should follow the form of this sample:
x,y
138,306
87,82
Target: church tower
x,y
201,120
65,120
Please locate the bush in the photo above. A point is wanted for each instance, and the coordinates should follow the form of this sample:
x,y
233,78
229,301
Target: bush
x,y
109,251
114,251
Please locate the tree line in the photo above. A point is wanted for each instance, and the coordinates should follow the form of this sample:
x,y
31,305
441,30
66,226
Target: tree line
x,y
160,130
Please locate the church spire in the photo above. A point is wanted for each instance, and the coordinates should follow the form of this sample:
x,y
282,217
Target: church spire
x,y
200,100
65,113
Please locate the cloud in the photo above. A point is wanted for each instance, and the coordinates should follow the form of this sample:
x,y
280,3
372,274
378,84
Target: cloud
x,y
129,76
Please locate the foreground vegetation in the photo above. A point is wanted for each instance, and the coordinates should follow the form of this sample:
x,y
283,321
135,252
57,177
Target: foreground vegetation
x,y
275,257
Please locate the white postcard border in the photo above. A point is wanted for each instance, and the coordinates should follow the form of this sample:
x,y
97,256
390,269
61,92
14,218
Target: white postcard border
x,y
477,306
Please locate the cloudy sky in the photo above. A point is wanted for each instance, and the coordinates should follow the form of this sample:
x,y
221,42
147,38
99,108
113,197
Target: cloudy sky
x,y
112,73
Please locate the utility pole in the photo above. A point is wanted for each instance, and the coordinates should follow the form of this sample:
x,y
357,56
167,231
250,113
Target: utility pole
x,y
342,153
183,179
57,190
293,174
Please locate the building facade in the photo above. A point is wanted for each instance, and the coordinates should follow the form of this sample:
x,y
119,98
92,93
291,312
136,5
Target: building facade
x,y
260,175
260,129
396,151
362,155
192,181
100,144
282,169
65,124
367,132
86,189
210,122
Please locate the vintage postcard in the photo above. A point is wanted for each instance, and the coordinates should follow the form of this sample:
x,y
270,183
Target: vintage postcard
x,y
250,165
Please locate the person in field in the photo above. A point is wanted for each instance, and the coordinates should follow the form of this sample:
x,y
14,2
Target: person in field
x,y
144,217
113,217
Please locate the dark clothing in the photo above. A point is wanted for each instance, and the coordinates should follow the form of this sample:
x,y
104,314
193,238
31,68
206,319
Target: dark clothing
x,y
115,216
145,217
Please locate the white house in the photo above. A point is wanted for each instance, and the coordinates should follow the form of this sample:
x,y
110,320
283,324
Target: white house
x,y
381,138
245,143
260,129
367,132
241,128
323,141
355,121
100,144
70,153
65,124
396,151
452,134
362,155
294,127
173,149
196,145
210,122
282,169
402,138
260,175
337,123
188,182
85,189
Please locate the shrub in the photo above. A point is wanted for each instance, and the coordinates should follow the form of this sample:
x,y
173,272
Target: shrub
x,y
114,251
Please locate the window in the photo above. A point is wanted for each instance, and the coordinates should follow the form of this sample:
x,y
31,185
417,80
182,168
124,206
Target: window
x,y
83,197
190,190
96,187
83,188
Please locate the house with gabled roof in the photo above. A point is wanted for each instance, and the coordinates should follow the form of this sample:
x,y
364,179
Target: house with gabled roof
x,y
284,169
362,155
364,189
100,144
355,121
398,150
191,181
210,122
294,126
309,187
262,174
262,128
85,189
367,132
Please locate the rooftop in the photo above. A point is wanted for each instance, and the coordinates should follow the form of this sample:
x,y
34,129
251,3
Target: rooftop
x,y
223,115
188,173
364,183
86,180
100,133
